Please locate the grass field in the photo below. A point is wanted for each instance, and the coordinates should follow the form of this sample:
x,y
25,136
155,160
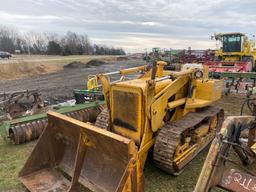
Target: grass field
x,y
12,158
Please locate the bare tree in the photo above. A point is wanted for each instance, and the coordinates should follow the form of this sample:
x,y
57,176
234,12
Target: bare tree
x,y
8,38
51,43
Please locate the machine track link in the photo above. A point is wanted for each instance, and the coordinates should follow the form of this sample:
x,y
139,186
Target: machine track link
x,y
102,120
169,138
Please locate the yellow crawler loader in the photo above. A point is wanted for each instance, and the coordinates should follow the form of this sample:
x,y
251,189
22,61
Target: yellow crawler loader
x,y
168,111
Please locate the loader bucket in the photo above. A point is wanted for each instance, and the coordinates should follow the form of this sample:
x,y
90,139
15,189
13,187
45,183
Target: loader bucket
x,y
70,151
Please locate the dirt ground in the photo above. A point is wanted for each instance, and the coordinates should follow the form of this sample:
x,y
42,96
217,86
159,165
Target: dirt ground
x,y
20,66
59,85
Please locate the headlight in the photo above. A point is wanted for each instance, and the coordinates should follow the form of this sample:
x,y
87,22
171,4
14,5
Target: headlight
x,y
199,74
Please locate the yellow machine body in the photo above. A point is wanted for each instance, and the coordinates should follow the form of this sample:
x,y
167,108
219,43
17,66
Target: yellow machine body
x,y
138,109
92,82
127,101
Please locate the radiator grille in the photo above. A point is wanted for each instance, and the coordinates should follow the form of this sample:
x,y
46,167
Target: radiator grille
x,y
126,109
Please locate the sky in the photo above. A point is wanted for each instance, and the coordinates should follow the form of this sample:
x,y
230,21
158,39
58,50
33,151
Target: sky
x,y
134,25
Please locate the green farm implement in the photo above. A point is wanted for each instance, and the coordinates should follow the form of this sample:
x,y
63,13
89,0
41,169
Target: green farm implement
x,y
30,127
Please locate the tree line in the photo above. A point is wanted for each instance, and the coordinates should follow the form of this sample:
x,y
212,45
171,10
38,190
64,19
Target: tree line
x,y
71,43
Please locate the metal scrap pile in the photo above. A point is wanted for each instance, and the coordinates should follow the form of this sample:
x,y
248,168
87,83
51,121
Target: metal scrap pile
x,y
19,103
23,114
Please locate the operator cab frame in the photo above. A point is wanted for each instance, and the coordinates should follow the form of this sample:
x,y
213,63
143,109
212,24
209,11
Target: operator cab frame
x,y
232,42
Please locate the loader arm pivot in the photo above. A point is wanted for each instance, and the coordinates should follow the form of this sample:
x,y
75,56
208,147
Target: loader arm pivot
x,y
159,107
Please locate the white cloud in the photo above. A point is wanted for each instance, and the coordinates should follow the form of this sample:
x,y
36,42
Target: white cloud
x,y
140,41
151,23
135,24
17,17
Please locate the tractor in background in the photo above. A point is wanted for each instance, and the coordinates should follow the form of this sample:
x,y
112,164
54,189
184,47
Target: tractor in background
x,y
234,61
236,54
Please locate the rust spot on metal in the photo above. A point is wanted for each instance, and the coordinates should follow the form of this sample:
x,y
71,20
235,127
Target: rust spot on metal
x,y
235,180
